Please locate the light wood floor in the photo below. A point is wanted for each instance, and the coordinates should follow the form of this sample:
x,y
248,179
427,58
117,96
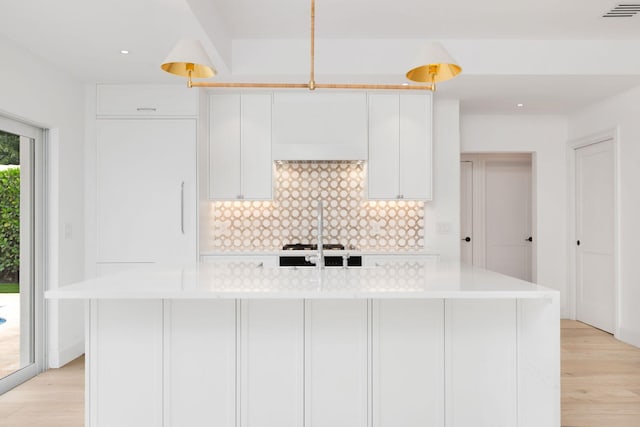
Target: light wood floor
x,y
600,379
600,386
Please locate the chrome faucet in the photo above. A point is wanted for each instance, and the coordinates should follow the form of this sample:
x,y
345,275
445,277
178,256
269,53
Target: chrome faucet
x,y
318,258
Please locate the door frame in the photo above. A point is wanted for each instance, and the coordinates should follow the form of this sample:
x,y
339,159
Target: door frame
x,y
36,252
479,236
612,135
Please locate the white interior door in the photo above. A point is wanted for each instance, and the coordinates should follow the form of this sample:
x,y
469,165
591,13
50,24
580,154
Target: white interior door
x,y
466,212
595,227
508,217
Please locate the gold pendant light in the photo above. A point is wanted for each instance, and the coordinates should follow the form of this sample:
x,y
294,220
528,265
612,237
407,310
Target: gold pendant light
x,y
434,64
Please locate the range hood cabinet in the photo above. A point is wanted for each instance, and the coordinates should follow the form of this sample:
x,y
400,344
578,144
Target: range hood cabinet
x,y
319,126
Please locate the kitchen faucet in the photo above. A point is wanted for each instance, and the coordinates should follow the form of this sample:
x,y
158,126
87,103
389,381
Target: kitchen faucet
x,y
318,258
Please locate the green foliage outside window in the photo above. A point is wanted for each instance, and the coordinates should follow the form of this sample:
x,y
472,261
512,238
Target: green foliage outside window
x,y
10,225
9,149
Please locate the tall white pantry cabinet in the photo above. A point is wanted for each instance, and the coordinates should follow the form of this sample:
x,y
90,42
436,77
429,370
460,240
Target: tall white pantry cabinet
x,y
145,173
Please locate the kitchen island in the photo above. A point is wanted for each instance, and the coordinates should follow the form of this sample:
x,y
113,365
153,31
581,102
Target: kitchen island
x,y
402,344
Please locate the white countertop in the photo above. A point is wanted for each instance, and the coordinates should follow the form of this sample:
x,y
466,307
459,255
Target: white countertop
x,y
395,280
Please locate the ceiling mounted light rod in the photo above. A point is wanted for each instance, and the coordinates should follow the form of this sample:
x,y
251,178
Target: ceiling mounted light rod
x,y
189,59
312,76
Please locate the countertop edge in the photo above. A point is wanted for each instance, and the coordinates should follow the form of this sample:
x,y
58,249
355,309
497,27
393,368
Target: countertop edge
x,y
182,295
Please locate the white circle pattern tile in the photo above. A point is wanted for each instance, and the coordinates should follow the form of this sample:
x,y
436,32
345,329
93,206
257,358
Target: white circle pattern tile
x,y
349,218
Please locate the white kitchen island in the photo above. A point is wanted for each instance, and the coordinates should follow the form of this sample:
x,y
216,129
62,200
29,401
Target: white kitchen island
x,y
420,344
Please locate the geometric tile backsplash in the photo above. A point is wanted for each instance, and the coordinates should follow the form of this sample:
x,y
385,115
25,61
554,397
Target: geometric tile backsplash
x,y
291,217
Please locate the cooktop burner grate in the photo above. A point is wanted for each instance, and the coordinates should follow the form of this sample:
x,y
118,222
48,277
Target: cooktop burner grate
x,y
311,247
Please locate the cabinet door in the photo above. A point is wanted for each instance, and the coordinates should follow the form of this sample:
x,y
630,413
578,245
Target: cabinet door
x,y
250,260
408,363
146,187
224,147
336,363
257,181
320,126
415,147
399,147
125,363
200,363
271,363
480,353
384,139
146,100
384,260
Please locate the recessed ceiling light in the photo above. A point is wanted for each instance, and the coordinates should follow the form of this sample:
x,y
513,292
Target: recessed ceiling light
x,y
519,105
124,52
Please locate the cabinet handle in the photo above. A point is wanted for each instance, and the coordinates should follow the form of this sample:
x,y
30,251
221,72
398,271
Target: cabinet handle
x,y
146,109
182,207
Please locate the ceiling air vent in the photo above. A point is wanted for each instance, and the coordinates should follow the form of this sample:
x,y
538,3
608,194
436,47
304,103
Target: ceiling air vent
x,y
623,11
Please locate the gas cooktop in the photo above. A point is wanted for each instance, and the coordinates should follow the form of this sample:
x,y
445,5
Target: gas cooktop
x,y
311,247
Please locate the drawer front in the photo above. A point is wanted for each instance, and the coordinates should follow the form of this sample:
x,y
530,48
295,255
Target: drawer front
x,y
146,100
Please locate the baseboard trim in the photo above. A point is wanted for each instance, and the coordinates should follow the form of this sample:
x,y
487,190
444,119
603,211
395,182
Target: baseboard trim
x,y
60,358
629,337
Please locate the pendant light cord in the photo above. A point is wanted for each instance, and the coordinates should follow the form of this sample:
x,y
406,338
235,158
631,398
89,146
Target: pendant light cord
x,y
312,81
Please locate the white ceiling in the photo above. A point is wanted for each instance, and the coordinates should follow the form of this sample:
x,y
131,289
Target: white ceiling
x,y
85,37
520,19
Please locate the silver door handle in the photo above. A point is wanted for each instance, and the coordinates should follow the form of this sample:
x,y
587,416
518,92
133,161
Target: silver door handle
x,y
182,207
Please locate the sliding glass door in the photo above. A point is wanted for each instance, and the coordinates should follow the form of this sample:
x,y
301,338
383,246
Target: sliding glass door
x,y
21,302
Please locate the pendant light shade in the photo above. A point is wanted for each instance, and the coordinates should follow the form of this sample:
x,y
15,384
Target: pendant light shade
x,y
188,59
433,64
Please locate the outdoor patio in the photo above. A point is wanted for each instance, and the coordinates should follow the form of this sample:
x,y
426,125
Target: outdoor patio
x,y
9,334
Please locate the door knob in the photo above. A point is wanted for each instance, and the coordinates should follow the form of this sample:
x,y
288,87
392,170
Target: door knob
x,y
467,239
529,239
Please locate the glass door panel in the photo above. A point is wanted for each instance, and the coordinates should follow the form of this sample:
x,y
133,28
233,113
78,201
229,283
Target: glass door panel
x,y
17,286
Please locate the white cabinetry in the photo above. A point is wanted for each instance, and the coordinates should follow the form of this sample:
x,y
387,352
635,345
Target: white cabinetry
x,y
200,363
126,384
400,146
336,377
146,101
146,190
240,164
482,373
323,362
254,260
271,363
408,363
320,126
382,260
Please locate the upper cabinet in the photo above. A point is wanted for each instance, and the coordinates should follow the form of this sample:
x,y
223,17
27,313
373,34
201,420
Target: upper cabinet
x,y
250,130
320,126
146,101
240,166
400,146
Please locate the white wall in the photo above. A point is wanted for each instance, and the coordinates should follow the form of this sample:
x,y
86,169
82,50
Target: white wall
x,y
39,94
445,207
621,112
545,137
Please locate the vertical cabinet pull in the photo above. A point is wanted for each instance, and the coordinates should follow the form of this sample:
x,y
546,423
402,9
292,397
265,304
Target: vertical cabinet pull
x,y
182,207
